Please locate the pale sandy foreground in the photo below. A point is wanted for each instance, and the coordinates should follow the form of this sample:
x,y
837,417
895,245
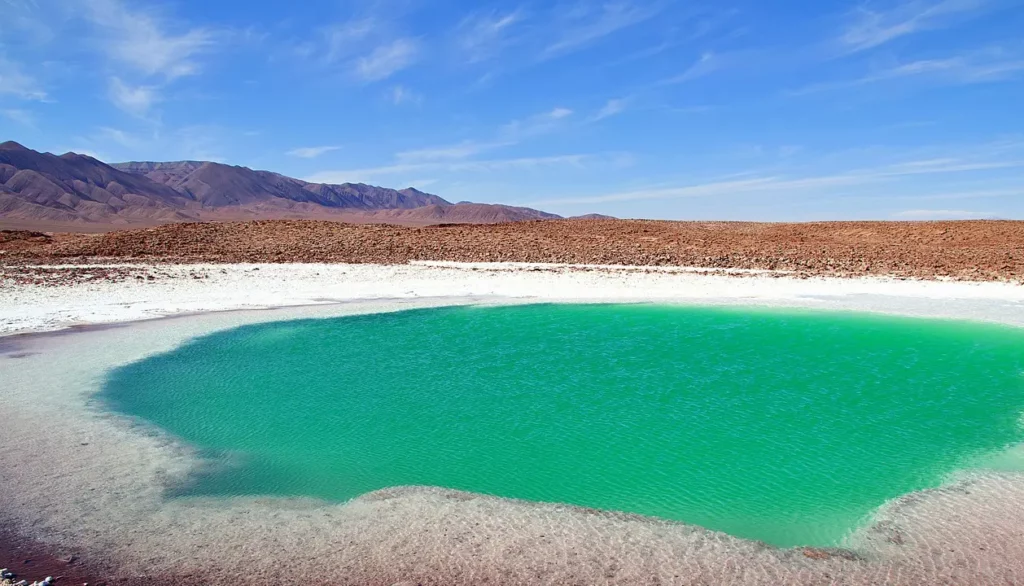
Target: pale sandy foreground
x,y
93,481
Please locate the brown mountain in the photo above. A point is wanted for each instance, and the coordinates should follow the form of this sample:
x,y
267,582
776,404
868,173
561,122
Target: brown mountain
x,y
217,185
72,189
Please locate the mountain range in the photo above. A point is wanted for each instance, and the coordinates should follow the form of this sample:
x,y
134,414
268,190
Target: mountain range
x,y
75,189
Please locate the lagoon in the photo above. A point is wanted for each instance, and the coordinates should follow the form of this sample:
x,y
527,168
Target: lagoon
x,y
787,426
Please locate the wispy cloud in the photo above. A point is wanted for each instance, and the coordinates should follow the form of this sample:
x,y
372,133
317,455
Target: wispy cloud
x,y
193,142
491,165
942,215
399,94
141,41
706,64
19,116
15,82
483,35
518,130
148,51
777,184
462,150
872,28
585,24
343,39
367,48
311,152
611,108
956,195
23,26
135,100
509,134
948,165
386,60
120,137
986,66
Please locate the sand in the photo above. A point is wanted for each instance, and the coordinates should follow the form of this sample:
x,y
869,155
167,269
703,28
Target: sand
x,y
89,482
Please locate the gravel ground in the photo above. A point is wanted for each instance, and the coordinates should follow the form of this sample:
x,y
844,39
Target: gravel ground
x,y
963,250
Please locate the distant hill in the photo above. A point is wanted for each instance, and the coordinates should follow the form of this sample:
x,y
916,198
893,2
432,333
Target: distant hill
x,y
594,217
76,189
467,213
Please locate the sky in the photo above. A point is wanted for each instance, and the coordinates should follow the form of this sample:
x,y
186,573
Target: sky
x,y
732,110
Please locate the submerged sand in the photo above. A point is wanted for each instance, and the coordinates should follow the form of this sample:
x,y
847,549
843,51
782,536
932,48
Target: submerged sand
x,y
90,481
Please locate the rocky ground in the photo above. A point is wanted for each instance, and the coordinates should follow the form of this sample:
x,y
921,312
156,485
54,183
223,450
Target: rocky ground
x,y
26,563
962,250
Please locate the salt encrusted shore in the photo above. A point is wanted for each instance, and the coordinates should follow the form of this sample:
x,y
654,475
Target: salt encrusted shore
x,y
86,481
42,298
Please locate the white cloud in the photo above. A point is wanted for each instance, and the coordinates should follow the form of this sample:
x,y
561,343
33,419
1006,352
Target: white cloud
x,y
518,130
586,24
948,165
311,152
140,40
371,174
482,36
706,64
120,137
611,108
343,39
19,116
462,150
774,184
136,100
509,134
942,215
386,60
400,94
987,66
873,28
956,195
15,82
195,142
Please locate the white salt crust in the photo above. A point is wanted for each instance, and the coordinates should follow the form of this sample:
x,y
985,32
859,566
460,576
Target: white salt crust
x,y
93,482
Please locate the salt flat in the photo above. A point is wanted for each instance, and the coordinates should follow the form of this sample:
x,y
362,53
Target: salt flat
x,y
190,288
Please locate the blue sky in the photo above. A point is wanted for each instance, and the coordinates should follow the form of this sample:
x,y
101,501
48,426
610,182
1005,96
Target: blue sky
x,y
755,110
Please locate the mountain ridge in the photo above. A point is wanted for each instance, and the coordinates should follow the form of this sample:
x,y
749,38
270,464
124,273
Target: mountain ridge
x,y
218,184
79,189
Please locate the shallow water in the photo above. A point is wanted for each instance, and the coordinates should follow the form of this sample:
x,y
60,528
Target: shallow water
x,y
784,426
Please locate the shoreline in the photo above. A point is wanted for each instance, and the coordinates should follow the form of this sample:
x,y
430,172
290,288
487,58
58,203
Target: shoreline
x,y
55,300
432,535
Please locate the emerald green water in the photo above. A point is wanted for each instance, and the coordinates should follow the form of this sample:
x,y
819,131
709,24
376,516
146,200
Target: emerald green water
x,y
784,426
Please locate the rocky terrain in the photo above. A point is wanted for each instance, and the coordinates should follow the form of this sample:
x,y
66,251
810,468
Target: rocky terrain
x,y
963,250
77,192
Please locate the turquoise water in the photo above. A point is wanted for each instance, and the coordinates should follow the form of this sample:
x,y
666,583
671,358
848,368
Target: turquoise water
x,y
784,426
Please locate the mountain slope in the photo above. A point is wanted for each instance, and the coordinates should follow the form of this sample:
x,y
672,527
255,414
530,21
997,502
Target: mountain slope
x,y
72,189
218,185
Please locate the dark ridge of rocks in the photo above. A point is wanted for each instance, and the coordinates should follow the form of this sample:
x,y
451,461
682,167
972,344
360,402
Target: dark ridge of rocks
x,y
963,250
16,240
